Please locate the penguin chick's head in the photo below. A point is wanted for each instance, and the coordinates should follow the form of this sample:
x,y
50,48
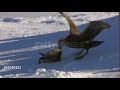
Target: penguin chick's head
x,y
53,55
100,24
41,60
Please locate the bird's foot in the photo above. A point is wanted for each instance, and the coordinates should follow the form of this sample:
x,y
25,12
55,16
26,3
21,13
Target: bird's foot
x,y
81,55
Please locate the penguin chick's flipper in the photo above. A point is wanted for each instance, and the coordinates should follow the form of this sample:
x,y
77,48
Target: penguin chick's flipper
x,y
42,54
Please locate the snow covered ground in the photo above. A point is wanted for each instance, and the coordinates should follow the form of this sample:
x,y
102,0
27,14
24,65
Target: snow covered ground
x,y
23,35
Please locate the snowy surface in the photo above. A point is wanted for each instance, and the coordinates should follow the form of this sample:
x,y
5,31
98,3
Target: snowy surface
x,y
23,35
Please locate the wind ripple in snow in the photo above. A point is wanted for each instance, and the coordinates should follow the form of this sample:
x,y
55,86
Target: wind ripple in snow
x,y
51,21
44,20
14,20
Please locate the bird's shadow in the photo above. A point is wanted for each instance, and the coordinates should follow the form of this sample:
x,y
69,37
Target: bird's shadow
x,y
24,52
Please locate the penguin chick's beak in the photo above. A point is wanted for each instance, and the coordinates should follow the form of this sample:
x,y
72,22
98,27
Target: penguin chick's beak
x,y
41,60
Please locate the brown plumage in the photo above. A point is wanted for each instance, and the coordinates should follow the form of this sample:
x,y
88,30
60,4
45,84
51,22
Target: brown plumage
x,y
77,39
53,55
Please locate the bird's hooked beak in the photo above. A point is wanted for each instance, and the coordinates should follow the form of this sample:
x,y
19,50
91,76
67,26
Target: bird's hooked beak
x,y
106,26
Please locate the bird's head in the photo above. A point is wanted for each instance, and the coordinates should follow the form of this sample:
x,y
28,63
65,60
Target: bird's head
x,y
100,24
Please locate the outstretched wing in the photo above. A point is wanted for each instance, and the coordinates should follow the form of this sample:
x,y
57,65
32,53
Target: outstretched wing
x,y
73,28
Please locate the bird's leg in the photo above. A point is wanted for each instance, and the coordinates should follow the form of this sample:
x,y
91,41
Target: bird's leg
x,y
84,54
81,56
79,53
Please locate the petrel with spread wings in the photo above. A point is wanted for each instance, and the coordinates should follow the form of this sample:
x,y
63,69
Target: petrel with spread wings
x,y
77,39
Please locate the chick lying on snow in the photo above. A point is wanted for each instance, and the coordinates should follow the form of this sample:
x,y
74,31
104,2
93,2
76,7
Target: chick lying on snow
x,y
53,55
